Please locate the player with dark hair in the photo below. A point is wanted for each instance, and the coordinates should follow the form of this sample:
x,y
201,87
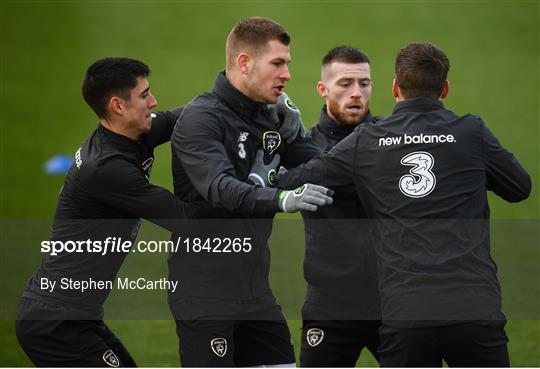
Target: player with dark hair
x,y
341,314
422,175
105,193
225,311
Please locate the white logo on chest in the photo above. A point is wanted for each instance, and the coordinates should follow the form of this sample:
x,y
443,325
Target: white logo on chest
x,y
219,346
241,148
78,159
314,336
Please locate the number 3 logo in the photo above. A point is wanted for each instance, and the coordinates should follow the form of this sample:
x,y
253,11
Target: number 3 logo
x,y
241,151
421,180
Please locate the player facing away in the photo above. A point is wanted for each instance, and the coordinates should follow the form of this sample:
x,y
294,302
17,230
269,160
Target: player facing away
x,y
341,314
225,311
423,174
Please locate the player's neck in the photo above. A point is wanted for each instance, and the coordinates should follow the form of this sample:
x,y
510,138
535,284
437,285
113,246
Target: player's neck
x,y
235,79
119,128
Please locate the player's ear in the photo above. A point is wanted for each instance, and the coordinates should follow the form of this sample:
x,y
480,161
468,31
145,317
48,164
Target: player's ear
x,y
445,90
116,105
321,89
243,62
395,88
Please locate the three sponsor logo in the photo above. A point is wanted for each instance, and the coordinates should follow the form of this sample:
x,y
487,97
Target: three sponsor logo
x,y
420,181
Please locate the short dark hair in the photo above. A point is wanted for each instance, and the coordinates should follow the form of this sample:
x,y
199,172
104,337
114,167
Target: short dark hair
x,y
345,54
109,77
253,34
421,70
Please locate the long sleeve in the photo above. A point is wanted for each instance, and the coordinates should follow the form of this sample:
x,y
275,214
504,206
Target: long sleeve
x,y
162,126
198,143
120,184
504,174
332,169
300,151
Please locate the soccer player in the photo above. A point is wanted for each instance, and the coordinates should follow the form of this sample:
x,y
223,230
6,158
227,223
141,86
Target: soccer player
x,y
225,311
422,175
341,314
105,193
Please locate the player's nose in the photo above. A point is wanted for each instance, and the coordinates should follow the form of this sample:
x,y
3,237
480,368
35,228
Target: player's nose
x,y
356,91
152,102
285,74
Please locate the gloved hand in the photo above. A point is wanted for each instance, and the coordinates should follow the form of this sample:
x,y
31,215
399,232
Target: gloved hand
x,y
306,197
263,174
287,118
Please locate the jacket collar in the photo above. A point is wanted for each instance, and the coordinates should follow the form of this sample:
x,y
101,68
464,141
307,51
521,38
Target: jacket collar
x,y
418,105
242,105
115,138
338,130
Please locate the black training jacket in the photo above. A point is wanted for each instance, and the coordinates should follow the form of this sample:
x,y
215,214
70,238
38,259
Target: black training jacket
x,y
340,265
423,174
105,193
214,146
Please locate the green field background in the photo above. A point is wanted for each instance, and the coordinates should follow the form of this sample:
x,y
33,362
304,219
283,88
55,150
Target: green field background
x,y
493,47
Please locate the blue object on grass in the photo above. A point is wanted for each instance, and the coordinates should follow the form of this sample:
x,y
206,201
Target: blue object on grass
x,y
58,164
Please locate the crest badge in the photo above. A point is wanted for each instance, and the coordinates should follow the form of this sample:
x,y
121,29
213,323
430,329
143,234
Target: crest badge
x,y
271,141
219,346
109,357
314,336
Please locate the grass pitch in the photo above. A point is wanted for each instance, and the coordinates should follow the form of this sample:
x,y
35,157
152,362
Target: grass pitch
x,y
493,47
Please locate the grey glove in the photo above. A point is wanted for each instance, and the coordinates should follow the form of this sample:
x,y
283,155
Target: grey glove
x,y
306,197
287,118
263,174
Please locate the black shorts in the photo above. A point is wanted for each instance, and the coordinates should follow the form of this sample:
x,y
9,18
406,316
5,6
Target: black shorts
x,y
50,341
228,343
473,344
337,343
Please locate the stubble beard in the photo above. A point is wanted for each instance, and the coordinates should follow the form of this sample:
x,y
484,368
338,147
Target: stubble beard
x,y
342,117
